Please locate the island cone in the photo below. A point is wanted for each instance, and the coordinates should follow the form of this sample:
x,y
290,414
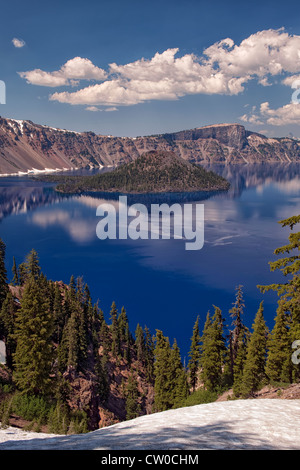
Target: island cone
x,y
153,172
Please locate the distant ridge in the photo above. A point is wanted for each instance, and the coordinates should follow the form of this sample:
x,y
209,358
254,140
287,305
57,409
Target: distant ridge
x,y
26,146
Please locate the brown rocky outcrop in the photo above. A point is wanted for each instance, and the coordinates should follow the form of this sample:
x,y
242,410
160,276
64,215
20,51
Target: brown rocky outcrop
x,y
27,146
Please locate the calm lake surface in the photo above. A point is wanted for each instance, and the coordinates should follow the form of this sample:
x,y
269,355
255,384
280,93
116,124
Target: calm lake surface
x,y
162,285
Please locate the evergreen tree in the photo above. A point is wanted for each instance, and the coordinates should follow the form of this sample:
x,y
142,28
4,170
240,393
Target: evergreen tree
x,y
95,322
105,339
123,324
180,389
30,267
278,367
149,354
32,263
63,349
213,351
58,313
77,341
237,334
194,354
71,327
86,295
34,328
72,286
133,408
102,378
140,343
3,273
15,280
240,359
163,383
116,349
7,327
170,385
23,274
58,419
254,368
288,312
72,341
128,340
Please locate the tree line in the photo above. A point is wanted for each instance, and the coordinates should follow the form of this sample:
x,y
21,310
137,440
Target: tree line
x,y
246,360
50,328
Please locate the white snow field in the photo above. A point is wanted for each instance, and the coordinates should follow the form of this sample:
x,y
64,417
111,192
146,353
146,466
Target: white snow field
x,y
230,425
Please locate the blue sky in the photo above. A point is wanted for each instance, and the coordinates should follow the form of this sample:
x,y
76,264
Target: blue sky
x,y
176,65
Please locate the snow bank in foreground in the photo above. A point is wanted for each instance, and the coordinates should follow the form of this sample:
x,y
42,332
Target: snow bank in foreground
x,y
239,424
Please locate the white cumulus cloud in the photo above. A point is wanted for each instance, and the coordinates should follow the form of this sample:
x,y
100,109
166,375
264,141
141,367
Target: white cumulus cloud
x,y
223,68
18,42
70,73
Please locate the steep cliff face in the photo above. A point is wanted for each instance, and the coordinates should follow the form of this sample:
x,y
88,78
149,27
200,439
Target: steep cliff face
x,y
27,146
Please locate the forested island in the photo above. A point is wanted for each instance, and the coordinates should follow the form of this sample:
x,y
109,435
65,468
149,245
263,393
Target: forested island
x,y
152,172
69,370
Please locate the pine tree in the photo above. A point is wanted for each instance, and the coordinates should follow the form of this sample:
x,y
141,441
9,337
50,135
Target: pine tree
x,y
80,295
149,355
58,313
180,389
140,343
123,324
72,327
236,335
30,267
170,385
72,341
7,327
95,321
15,280
32,262
132,395
58,419
128,341
116,349
63,349
23,274
194,354
278,366
3,273
163,383
104,339
288,312
34,329
72,287
240,359
254,368
76,340
102,379
213,351
83,337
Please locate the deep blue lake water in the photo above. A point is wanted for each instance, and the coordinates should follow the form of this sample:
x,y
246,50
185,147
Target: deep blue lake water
x,y
161,284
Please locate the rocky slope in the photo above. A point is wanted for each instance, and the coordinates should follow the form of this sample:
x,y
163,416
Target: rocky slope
x,y
83,384
27,146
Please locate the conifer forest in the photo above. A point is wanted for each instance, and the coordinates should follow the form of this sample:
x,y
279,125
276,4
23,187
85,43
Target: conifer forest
x,y
72,368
